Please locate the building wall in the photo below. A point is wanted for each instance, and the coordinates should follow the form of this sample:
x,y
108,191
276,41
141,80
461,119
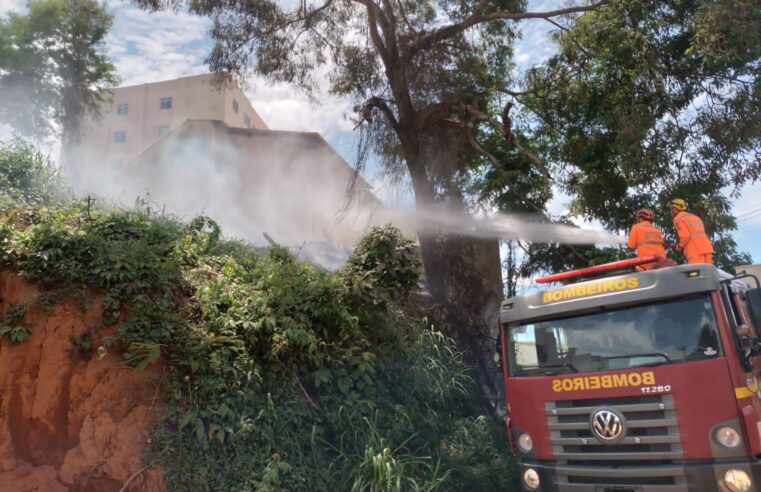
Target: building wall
x,y
237,120
191,98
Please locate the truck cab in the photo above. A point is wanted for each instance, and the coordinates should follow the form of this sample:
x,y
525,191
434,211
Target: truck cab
x,y
635,381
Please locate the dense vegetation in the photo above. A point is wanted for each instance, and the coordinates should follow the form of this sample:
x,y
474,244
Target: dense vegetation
x,y
277,376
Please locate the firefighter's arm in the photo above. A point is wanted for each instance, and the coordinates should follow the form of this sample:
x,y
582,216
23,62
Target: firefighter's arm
x,y
632,243
684,235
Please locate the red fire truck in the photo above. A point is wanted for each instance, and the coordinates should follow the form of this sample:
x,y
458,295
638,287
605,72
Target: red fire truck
x,y
627,381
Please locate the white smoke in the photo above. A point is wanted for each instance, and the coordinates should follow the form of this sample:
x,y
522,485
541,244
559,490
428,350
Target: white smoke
x,y
291,186
534,229
287,185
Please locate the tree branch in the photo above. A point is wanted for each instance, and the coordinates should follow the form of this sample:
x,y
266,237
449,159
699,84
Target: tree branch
x,y
564,29
299,15
390,29
504,130
308,14
377,102
477,146
373,17
515,94
478,17
403,11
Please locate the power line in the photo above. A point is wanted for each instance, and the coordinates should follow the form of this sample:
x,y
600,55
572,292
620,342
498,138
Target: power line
x,y
749,211
749,215
752,216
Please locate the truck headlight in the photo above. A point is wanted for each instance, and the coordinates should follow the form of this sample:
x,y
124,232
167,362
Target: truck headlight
x,y
736,480
531,479
728,437
525,443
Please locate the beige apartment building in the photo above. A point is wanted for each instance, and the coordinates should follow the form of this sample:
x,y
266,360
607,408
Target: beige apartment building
x,y
138,116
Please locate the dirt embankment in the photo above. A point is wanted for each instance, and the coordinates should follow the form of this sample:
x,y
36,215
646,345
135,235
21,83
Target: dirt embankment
x,y
68,424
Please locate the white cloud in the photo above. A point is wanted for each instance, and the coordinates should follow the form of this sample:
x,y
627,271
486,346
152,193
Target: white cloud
x,y
148,47
6,132
284,108
535,45
7,6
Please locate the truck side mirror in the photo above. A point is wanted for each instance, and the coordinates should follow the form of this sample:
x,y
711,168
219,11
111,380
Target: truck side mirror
x,y
751,347
753,298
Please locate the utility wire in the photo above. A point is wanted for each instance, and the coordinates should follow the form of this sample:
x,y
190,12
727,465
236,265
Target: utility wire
x,y
740,219
749,212
747,217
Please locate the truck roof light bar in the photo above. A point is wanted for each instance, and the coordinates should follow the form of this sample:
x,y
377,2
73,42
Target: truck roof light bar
x,y
607,267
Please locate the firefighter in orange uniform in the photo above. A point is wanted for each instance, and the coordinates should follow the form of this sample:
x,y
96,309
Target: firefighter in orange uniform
x,y
646,238
692,235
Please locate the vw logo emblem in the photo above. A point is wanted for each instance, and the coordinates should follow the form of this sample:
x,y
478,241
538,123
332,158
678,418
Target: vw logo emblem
x,y
607,425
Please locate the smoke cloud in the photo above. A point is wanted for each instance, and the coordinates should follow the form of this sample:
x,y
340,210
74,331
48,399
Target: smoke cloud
x,y
291,186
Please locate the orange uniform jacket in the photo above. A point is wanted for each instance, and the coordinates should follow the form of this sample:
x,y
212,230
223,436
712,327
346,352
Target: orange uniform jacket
x,y
692,235
646,239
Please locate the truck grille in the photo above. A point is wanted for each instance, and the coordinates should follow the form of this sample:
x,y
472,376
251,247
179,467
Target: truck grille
x,y
643,460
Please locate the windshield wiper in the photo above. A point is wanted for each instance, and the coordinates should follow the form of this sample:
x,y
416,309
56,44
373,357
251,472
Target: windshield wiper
x,y
539,368
644,354
650,364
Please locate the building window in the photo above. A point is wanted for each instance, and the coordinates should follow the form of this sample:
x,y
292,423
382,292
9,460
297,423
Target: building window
x,y
163,130
120,137
235,106
166,103
121,110
246,120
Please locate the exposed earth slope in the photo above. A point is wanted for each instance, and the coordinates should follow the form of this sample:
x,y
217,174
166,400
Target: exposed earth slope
x,y
66,423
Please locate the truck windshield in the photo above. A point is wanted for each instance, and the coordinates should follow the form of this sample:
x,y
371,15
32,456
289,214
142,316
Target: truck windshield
x,y
660,333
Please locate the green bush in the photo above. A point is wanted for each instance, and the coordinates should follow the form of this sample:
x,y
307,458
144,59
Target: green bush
x,y
26,176
278,376
384,267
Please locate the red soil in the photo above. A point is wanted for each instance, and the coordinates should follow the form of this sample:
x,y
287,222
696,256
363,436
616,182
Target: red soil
x,y
68,424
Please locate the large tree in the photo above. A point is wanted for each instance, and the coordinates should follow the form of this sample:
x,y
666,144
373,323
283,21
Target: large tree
x,y
421,72
54,69
646,101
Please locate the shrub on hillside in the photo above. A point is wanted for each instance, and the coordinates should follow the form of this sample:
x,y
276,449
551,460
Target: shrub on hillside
x,y
26,175
384,267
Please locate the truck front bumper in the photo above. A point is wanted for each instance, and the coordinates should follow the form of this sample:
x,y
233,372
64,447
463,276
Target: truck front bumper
x,y
688,476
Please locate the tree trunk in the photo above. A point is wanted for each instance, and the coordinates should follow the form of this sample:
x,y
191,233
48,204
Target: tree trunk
x,y
470,272
71,135
464,278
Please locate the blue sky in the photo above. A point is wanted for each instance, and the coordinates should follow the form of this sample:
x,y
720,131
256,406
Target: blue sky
x,y
150,47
